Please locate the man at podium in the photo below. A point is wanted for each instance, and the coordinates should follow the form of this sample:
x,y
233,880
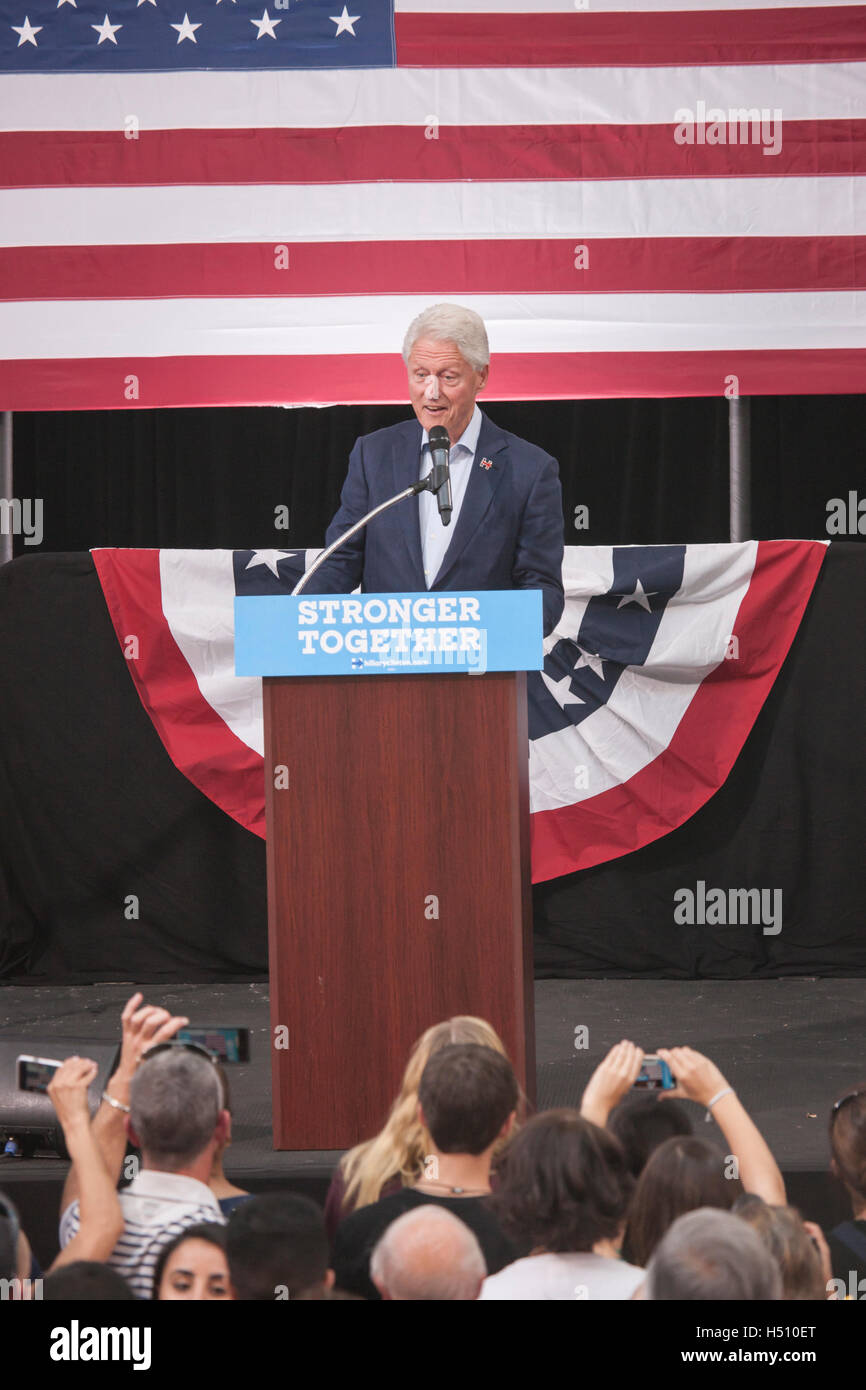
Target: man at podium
x,y
506,526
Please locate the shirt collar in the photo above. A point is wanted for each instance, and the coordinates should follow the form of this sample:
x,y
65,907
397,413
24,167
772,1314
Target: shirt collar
x,y
469,438
152,1182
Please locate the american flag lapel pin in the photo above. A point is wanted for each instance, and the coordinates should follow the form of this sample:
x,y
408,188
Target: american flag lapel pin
x,y
486,463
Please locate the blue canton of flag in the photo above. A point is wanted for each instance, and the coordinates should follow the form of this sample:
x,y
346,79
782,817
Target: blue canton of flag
x,y
617,630
184,35
266,571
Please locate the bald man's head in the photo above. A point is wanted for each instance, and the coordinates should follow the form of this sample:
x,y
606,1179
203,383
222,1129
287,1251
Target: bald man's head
x,y
428,1254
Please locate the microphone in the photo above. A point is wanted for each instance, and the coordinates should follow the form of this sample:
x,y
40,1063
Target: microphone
x,y
440,478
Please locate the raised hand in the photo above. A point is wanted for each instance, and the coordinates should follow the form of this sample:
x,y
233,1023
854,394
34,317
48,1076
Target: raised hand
x,y
612,1079
67,1090
144,1026
696,1076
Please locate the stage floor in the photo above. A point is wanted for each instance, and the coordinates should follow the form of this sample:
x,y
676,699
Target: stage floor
x,y
788,1046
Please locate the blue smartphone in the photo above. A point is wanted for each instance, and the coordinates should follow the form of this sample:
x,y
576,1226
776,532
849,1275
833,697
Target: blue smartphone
x,y
655,1075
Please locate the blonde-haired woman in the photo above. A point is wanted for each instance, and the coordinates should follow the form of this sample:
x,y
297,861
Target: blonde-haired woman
x,y
395,1158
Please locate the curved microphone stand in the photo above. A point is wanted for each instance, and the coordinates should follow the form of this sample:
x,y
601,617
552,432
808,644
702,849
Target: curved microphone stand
x,y
422,486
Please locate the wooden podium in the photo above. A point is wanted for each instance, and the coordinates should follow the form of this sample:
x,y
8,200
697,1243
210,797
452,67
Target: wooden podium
x,y
398,884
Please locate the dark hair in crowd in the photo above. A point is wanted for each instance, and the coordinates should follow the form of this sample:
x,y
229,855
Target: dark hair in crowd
x,y
681,1175
467,1093
564,1184
276,1242
85,1279
848,1141
642,1124
208,1231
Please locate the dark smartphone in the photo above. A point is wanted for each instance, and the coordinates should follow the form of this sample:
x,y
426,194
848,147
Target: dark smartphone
x,y
35,1073
655,1075
228,1044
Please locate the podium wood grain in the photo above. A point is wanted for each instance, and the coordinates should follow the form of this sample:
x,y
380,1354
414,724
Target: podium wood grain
x,y
398,885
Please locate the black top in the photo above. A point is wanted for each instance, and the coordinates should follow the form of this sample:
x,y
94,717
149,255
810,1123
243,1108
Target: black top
x,y
358,1235
229,1204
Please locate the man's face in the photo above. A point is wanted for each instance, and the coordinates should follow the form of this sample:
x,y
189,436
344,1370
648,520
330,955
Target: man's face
x,y
443,386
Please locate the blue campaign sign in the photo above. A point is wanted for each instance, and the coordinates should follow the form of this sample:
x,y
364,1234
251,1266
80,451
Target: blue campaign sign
x,y
380,634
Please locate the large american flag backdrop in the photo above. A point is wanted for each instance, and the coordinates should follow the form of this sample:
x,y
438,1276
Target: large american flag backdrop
x,y
226,202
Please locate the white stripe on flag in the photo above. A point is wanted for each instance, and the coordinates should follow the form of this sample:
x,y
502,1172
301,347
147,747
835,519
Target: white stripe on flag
x,y
587,570
641,717
198,593
407,96
198,598
402,212
359,325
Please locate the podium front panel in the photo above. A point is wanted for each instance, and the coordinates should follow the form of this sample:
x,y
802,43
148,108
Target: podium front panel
x,y
398,885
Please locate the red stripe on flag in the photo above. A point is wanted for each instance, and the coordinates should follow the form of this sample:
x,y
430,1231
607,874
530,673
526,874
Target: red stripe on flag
x,y
643,265
708,739
678,38
199,743
505,153
146,382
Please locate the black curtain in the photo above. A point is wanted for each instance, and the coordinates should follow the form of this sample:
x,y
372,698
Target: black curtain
x,y
805,451
94,814
651,471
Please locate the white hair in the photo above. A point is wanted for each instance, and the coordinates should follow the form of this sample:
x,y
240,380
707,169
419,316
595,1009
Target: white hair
x,y
428,1255
451,323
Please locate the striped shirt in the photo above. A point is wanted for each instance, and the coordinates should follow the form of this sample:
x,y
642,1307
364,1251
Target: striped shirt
x,y
156,1208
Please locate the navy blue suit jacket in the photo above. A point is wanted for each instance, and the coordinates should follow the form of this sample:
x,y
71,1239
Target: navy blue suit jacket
x,y
509,534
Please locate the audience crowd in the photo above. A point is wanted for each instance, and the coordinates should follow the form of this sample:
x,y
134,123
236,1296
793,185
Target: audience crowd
x,y
462,1195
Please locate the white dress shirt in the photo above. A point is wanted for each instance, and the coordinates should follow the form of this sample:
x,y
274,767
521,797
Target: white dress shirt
x,y
435,538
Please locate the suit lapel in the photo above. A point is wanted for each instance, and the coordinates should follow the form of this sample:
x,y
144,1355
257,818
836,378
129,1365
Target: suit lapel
x,y
480,490
405,458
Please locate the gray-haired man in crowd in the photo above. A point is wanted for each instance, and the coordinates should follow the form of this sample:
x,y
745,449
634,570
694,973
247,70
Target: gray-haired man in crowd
x,y
708,1255
177,1120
